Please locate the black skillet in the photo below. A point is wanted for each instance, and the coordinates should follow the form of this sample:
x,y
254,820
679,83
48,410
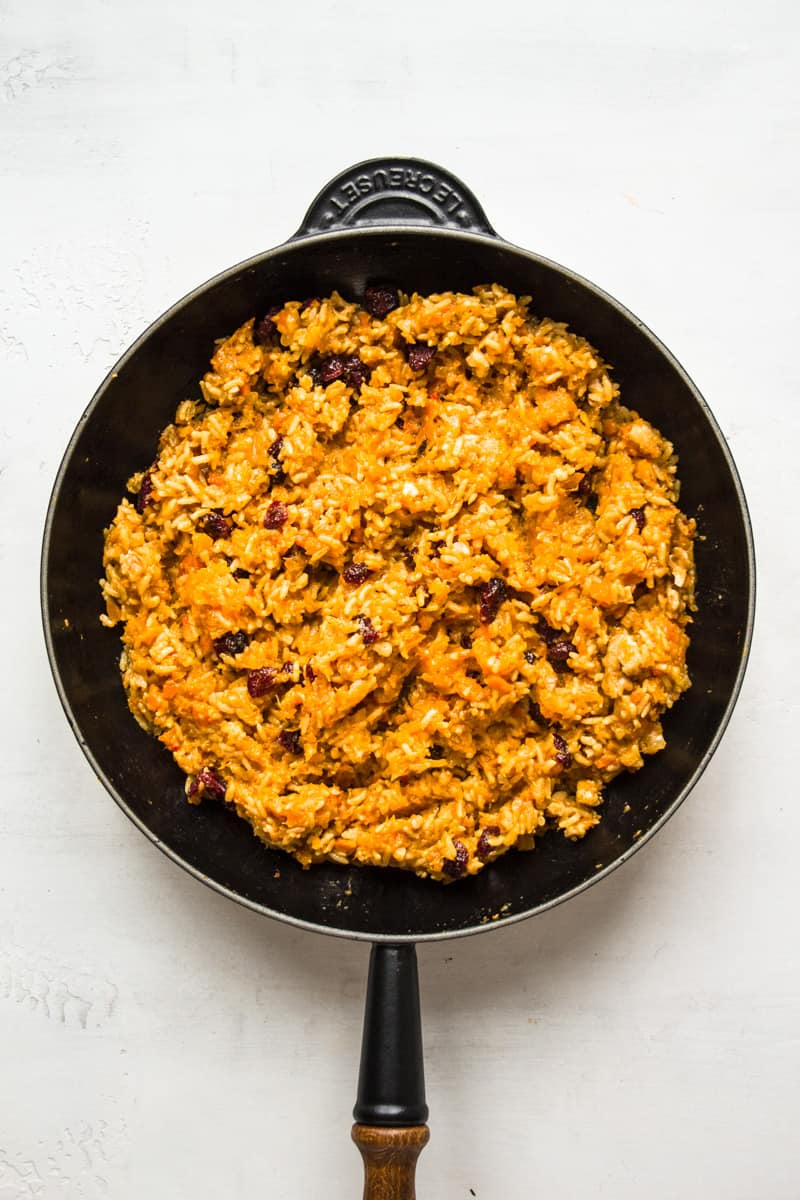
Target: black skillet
x,y
414,224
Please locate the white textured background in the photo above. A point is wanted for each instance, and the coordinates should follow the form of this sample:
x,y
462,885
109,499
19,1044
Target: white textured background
x,y
156,1041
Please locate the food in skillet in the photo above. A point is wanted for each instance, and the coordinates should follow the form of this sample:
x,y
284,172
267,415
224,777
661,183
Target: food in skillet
x,y
408,584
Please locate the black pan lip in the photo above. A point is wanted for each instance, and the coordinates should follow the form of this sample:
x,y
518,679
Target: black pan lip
x,y
336,239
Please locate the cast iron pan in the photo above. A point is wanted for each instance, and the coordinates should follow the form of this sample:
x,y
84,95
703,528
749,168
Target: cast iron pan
x,y
412,223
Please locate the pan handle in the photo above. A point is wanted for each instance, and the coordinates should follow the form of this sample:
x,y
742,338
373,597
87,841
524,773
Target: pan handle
x,y
395,191
390,1109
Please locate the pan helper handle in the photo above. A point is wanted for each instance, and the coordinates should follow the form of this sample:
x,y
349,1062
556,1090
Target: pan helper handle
x,y
395,191
390,1110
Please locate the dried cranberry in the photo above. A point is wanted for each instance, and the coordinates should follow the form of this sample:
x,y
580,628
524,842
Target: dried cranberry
x,y
331,368
465,641
311,674
231,643
215,525
483,849
212,784
354,371
530,656
288,668
369,633
290,740
436,751
493,594
356,572
639,517
418,355
559,652
563,756
277,515
145,493
456,867
378,301
265,330
261,681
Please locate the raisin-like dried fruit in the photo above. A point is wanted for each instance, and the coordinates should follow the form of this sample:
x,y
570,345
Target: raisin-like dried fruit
x,y
379,301
493,594
559,651
145,493
265,330
418,355
369,634
261,681
483,849
215,525
290,740
456,867
209,783
277,515
639,516
331,368
354,371
563,756
231,643
356,572
275,464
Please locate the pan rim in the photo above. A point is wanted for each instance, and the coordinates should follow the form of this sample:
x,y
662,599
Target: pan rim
x,y
383,232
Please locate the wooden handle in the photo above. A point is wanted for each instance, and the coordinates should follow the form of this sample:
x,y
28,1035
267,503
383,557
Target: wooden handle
x,y
390,1159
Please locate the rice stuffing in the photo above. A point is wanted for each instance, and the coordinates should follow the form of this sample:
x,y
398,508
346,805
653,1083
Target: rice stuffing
x,y
406,584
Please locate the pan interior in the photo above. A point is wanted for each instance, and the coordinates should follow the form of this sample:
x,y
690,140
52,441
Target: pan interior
x,y
118,435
